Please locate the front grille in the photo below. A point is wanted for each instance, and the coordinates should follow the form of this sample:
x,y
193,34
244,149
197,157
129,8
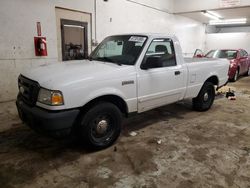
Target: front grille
x,y
28,90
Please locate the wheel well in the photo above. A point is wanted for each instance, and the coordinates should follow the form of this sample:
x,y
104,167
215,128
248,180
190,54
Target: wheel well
x,y
214,80
116,100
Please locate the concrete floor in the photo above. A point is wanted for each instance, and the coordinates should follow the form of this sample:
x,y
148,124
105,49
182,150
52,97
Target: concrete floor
x,y
210,149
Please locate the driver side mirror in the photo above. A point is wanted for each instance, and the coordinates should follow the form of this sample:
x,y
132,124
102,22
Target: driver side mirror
x,y
199,56
149,62
144,66
198,53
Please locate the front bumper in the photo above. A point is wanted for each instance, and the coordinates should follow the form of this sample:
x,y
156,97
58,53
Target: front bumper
x,y
47,121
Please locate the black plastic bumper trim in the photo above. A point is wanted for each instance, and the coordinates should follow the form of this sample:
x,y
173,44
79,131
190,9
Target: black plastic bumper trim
x,y
46,120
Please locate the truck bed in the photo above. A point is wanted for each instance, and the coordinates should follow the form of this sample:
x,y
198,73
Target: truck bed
x,y
195,60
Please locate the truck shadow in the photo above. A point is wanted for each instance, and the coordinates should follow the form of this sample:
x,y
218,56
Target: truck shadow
x,y
22,137
24,155
162,114
29,154
174,111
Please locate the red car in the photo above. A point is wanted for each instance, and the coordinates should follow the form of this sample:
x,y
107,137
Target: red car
x,y
239,61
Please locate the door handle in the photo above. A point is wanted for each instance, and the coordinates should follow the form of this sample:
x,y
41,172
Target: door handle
x,y
177,73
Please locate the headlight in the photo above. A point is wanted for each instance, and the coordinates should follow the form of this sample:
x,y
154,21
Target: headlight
x,y
50,97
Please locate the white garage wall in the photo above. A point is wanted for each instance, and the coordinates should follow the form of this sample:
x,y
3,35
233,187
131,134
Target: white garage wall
x,y
197,5
18,25
166,5
18,28
118,17
228,41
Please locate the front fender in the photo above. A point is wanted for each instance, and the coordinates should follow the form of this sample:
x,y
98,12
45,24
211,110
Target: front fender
x,y
102,92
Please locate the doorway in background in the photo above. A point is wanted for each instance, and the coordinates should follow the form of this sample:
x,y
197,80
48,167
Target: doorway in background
x,y
74,40
74,34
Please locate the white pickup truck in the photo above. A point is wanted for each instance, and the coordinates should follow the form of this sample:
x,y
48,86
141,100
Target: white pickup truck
x,y
125,74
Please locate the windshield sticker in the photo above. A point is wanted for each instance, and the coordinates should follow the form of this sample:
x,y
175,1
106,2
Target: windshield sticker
x,y
137,39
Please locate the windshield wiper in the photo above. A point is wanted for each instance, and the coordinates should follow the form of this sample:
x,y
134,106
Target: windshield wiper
x,y
107,59
90,58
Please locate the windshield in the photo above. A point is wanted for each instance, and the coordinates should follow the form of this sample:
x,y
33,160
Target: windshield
x,y
122,50
229,54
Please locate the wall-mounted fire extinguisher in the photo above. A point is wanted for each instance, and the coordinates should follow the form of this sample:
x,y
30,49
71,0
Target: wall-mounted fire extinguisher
x,y
40,46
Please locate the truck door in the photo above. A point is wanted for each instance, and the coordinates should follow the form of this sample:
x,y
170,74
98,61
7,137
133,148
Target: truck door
x,y
160,78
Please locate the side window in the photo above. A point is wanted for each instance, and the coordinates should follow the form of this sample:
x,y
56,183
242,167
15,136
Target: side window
x,y
241,53
245,53
160,54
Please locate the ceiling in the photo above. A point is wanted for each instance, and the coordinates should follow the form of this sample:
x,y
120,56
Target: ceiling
x,y
242,12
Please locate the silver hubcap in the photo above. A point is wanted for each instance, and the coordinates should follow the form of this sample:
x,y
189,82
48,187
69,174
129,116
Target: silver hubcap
x,y
205,96
102,127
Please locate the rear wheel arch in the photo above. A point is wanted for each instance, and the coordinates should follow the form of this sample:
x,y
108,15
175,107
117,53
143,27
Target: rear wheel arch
x,y
213,79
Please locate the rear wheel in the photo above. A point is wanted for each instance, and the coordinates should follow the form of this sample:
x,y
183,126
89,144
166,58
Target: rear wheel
x,y
101,125
236,76
248,72
205,98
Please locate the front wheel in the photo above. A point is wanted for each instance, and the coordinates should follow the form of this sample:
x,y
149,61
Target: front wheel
x,y
101,125
236,76
205,98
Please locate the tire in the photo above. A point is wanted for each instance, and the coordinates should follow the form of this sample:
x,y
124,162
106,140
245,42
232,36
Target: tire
x,y
205,98
236,76
100,126
248,72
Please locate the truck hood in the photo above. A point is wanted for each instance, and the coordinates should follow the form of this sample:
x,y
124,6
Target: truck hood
x,y
57,75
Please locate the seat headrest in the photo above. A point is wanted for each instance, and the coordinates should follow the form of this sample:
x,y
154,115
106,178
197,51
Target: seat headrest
x,y
161,48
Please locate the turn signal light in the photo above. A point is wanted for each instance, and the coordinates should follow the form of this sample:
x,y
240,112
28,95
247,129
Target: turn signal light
x,y
57,99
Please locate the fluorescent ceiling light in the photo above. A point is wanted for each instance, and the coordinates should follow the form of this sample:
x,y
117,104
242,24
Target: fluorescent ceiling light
x,y
214,14
76,26
211,14
228,21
